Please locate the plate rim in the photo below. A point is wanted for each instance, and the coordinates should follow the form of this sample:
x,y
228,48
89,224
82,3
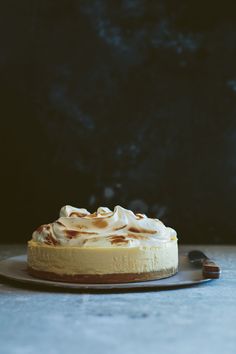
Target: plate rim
x,y
142,285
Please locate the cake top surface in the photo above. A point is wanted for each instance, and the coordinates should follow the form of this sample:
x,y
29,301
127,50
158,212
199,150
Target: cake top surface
x,y
103,228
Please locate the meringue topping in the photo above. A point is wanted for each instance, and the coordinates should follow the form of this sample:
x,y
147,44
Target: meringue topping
x,y
103,228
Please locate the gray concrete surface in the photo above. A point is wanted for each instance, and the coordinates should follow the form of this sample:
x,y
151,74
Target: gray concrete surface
x,y
200,319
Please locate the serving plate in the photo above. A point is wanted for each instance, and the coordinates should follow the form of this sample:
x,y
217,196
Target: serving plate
x,y
15,269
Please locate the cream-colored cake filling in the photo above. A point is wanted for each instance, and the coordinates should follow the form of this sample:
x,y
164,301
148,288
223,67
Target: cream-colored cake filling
x,y
104,228
111,260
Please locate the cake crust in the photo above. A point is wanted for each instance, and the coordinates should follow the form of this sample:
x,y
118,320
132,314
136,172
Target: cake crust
x,y
103,278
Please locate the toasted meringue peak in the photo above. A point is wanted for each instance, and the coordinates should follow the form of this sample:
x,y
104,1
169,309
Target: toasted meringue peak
x,y
103,228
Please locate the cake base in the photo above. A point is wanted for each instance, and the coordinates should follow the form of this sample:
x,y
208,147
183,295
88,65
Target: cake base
x,y
103,278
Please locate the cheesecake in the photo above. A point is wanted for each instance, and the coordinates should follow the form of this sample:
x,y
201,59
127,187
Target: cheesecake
x,y
102,247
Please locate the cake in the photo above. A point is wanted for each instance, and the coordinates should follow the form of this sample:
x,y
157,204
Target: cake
x,y
103,247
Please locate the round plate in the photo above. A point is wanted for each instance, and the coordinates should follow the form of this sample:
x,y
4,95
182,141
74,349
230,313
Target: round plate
x,y
15,268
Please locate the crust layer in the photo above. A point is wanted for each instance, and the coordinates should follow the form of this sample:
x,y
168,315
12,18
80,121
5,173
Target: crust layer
x,y
103,278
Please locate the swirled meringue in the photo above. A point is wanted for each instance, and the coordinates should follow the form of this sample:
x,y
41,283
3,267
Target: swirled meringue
x,y
103,228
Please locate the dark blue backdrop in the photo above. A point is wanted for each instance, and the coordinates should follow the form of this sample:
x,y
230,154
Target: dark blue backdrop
x,y
119,102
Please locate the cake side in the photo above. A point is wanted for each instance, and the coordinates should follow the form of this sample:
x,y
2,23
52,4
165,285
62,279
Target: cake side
x,y
76,260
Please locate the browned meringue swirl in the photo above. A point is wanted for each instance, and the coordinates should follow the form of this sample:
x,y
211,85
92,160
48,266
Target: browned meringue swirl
x,y
103,228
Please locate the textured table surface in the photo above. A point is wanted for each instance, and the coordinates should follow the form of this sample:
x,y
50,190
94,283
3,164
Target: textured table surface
x,y
190,320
